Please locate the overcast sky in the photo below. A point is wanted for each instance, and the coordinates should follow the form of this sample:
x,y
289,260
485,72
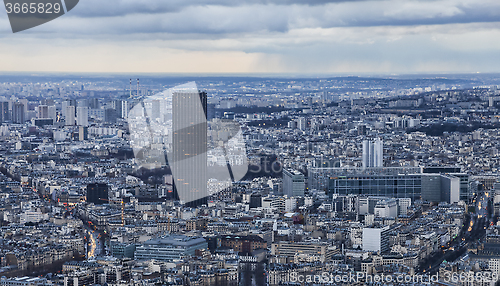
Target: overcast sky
x,y
261,36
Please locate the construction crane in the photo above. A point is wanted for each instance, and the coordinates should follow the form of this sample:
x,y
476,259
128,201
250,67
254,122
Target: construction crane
x,y
123,208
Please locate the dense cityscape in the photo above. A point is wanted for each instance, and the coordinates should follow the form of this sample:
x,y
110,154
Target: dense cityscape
x,y
390,180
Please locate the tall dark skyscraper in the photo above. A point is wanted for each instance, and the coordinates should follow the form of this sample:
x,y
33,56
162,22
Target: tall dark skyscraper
x,y
4,111
94,103
97,193
18,115
188,160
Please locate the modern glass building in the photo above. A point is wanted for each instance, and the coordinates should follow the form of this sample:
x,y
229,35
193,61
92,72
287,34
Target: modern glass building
x,y
395,186
396,182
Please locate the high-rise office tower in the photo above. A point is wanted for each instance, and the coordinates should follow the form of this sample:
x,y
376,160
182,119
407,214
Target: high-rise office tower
x,y
4,111
82,116
373,153
43,111
70,115
18,115
188,160
293,183
48,102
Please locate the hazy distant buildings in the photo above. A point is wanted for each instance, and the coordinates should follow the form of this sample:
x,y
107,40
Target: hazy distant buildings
x,y
293,183
373,153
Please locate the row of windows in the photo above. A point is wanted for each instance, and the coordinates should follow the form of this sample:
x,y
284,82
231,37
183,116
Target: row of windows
x,y
376,182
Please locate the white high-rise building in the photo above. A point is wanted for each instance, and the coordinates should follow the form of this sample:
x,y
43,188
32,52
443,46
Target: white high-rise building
x,y
373,153
52,112
70,115
63,108
82,118
124,109
302,124
376,239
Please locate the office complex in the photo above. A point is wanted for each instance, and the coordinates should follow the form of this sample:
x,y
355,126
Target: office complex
x,y
394,182
170,248
293,183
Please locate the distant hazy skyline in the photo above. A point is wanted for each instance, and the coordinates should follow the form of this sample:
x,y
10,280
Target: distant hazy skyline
x,y
261,36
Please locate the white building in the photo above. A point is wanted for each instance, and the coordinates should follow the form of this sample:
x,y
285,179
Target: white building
x,y
290,204
82,118
30,216
70,115
52,112
386,208
124,109
373,153
376,239
403,205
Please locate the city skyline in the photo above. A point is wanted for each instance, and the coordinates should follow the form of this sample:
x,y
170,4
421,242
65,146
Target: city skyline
x,y
249,143
262,37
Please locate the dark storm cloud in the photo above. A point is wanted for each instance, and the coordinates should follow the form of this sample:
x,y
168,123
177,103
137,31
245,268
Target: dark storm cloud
x,y
226,16
100,8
